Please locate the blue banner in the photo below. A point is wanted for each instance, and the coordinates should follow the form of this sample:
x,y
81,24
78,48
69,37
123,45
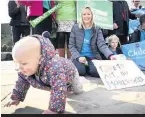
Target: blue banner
x,y
136,52
139,11
133,25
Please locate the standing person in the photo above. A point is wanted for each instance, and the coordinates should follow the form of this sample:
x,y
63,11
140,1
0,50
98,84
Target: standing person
x,y
139,34
66,18
19,23
86,40
121,15
36,9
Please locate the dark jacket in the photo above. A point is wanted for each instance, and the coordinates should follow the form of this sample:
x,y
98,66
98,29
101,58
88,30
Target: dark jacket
x,y
118,8
135,36
18,15
97,42
119,51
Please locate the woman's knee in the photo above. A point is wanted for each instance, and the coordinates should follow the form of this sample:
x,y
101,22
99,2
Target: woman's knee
x,y
93,73
80,67
82,72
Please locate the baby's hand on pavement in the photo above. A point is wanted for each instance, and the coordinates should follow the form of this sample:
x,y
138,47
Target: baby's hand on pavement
x,y
82,59
12,102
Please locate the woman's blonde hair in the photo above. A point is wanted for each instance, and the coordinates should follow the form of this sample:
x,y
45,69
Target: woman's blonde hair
x,y
112,37
81,24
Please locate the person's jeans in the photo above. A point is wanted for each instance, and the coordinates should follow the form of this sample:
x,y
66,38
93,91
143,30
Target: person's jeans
x,y
20,31
83,69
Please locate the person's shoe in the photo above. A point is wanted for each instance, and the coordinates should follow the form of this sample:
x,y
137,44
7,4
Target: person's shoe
x,y
77,84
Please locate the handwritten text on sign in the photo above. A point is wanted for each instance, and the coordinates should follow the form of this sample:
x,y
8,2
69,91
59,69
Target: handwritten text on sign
x,y
117,74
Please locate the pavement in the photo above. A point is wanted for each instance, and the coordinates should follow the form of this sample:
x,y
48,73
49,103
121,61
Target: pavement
x,y
95,99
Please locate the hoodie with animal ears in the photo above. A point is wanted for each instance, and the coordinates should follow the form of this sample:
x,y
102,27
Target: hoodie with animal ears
x,y
54,74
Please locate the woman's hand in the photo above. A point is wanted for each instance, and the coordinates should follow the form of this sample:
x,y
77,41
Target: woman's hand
x,y
112,57
12,102
82,59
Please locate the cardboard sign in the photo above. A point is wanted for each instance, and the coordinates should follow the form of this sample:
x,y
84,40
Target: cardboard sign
x,y
117,74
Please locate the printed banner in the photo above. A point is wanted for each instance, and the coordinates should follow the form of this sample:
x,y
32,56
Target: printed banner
x,y
133,25
136,52
138,11
36,21
102,10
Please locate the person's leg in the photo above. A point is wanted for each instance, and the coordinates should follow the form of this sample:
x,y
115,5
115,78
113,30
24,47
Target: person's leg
x,y
123,39
61,44
25,31
45,25
67,43
16,33
80,67
92,69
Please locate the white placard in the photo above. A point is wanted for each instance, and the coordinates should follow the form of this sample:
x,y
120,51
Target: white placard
x,y
117,74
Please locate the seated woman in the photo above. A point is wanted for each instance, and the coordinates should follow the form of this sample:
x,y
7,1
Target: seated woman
x,y
86,40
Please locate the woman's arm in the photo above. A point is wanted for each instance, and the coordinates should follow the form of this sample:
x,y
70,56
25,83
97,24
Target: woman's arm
x,y
102,45
72,44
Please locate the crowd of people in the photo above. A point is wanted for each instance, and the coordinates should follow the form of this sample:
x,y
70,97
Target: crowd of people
x,y
35,55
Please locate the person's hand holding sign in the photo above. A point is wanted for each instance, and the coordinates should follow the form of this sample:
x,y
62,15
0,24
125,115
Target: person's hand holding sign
x,y
112,57
82,59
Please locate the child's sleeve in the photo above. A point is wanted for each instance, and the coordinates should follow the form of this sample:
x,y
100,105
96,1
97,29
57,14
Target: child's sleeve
x,y
20,89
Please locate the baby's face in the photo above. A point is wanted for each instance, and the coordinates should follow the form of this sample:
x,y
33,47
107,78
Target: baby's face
x,y
27,65
114,43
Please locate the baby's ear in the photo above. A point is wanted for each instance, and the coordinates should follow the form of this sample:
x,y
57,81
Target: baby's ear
x,y
46,34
